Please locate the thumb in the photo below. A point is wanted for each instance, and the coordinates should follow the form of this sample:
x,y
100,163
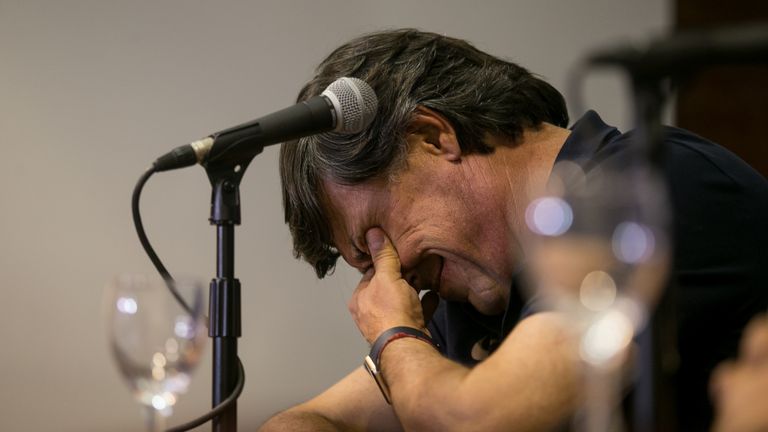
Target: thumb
x,y
383,253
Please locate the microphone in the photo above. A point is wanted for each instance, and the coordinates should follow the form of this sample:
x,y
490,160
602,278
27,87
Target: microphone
x,y
688,50
347,106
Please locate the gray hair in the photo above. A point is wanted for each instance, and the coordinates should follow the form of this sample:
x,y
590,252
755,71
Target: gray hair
x,y
477,93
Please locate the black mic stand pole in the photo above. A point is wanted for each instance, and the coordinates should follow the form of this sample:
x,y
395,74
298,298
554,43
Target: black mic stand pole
x,y
224,302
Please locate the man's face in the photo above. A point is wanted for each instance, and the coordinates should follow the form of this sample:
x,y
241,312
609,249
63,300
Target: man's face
x,y
446,220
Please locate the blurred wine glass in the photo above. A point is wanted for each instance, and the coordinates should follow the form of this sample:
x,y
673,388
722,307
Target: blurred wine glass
x,y
155,341
599,255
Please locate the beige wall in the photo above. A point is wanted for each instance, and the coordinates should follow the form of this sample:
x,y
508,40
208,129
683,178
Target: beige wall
x,y
92,91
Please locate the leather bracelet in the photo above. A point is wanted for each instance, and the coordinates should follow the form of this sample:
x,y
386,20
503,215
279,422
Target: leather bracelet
x,y
392,334
372,361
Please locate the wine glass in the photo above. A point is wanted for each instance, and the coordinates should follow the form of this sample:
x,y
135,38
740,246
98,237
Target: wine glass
x,y
599,254
155,340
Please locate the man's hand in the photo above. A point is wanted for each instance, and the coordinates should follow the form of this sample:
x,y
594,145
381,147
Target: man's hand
x,y
739,387
383,299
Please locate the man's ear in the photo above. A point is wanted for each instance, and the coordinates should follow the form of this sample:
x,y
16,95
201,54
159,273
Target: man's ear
x,y
433,133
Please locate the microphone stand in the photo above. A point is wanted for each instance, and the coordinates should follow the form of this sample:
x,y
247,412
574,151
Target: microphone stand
x,y
224,301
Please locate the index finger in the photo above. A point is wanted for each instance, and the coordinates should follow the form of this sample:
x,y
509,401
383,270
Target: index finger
x,y
383,253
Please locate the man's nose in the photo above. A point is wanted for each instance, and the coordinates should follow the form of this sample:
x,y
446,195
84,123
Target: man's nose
x,y
425,275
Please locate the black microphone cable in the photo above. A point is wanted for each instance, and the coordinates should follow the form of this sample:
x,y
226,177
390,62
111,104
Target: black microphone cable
x,y
171,285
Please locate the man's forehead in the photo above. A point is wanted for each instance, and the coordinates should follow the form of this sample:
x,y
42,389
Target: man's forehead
x,y
352,209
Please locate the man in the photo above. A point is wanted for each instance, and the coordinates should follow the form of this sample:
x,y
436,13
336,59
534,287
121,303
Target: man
x,y
432,196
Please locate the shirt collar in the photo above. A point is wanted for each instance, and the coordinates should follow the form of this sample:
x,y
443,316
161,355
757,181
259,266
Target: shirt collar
x,y
588,135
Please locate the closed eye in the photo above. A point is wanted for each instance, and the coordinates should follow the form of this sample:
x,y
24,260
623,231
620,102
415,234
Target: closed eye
x,y
362,260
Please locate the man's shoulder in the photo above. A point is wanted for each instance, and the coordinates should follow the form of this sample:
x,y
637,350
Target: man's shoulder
x,y
688,153
709,182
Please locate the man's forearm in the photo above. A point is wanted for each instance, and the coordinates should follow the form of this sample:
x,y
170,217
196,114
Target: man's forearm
x,y
530,383
296,419
422,384
352,404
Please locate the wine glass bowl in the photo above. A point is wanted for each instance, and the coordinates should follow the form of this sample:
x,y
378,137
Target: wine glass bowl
x,y
598,253
155,341
599,242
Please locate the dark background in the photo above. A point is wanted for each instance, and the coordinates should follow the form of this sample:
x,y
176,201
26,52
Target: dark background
x,y
728,104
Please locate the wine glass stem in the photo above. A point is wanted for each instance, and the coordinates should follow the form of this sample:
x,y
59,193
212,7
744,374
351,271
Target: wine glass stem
x,y
602,400
155,420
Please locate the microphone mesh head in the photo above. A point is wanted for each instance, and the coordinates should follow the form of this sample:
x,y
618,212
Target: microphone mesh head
x,y
355,103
